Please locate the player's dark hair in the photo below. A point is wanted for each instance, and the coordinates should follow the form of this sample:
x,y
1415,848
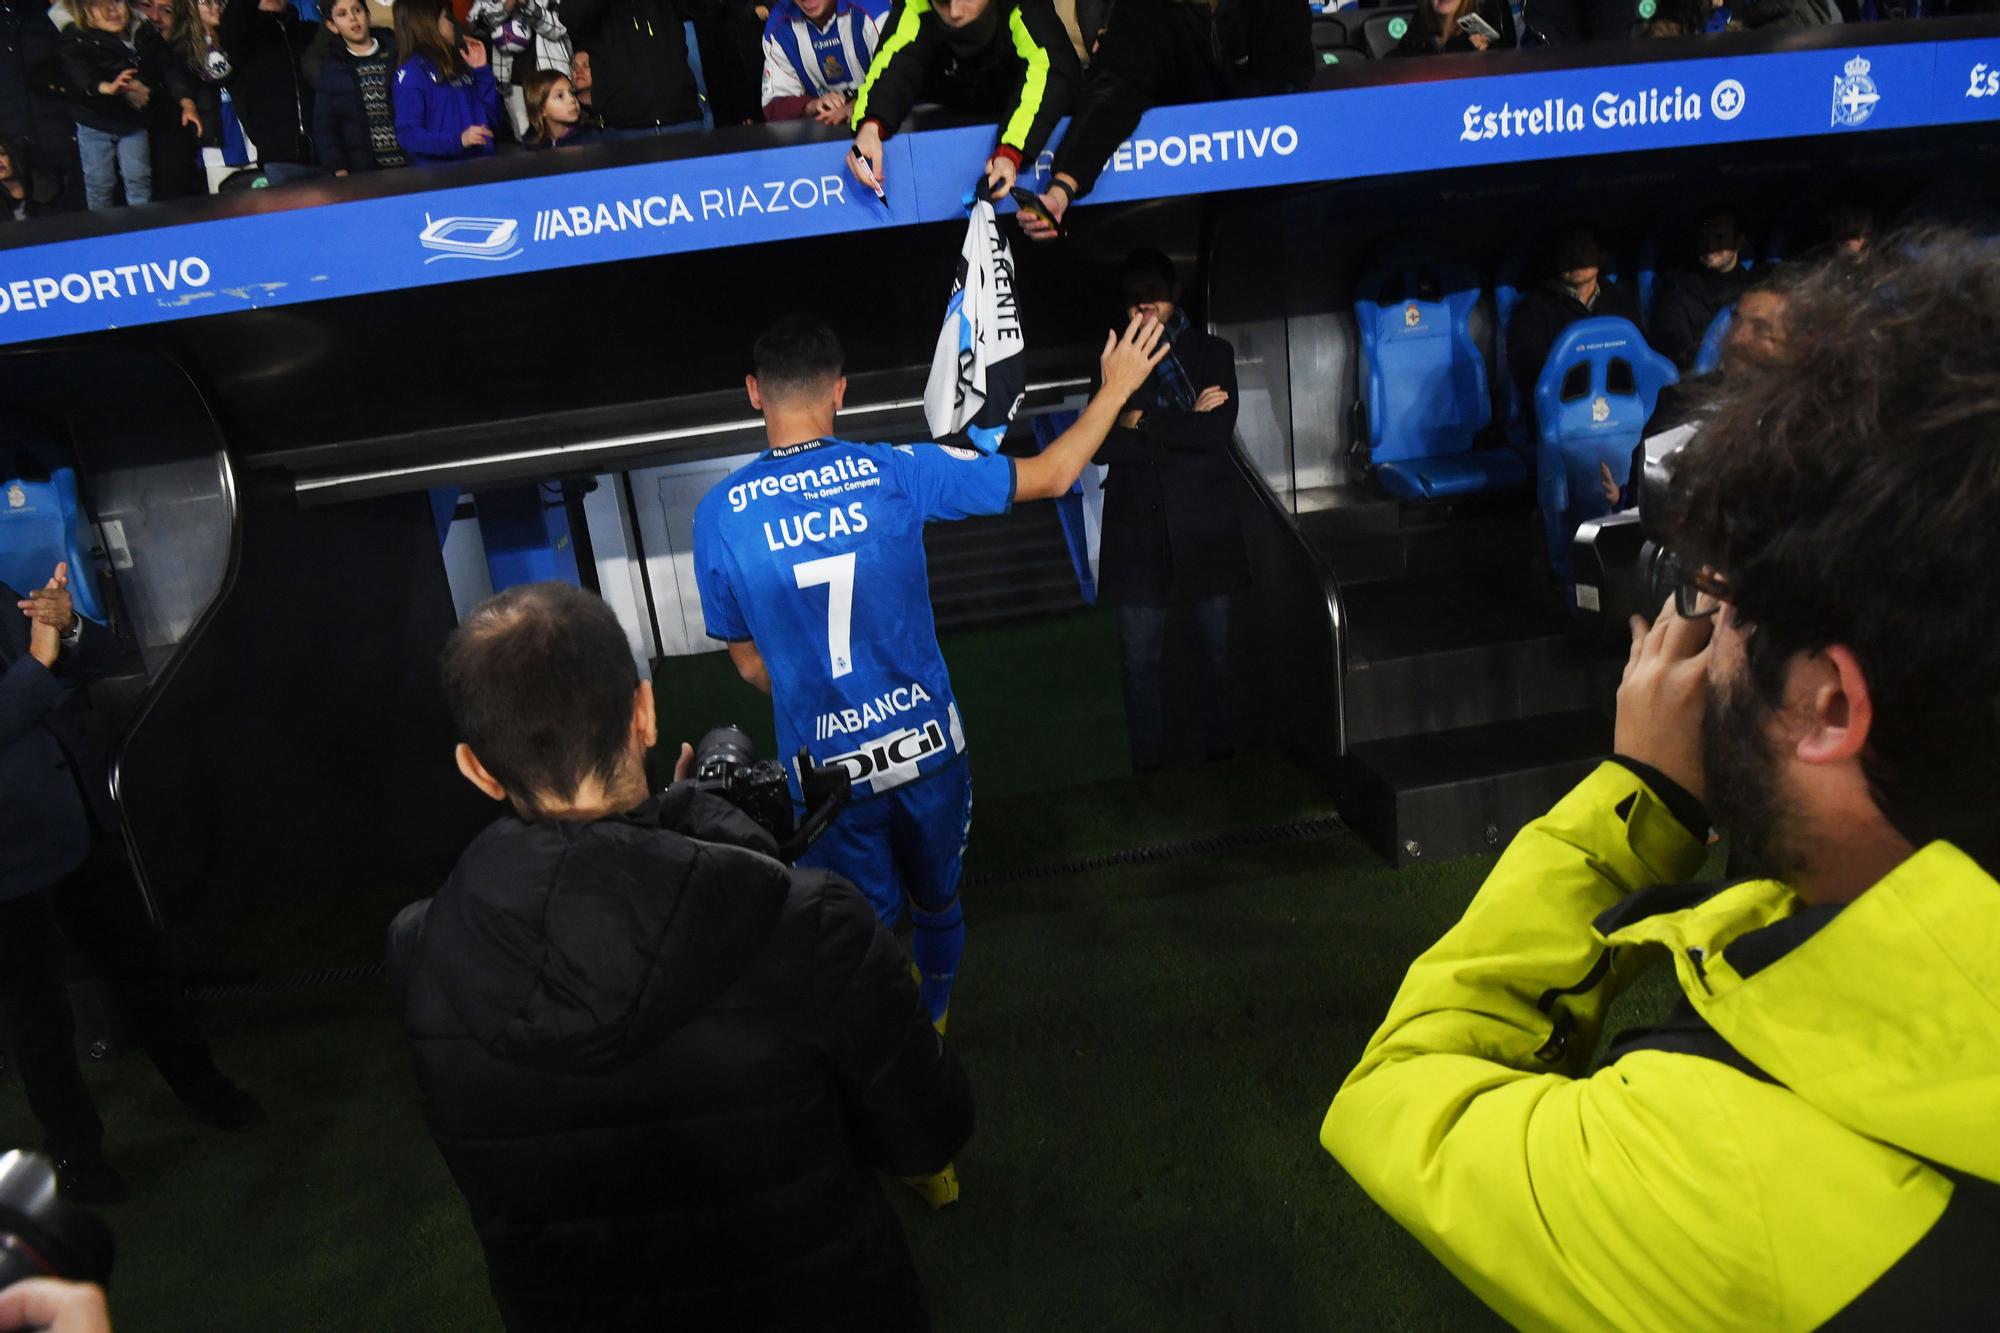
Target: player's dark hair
x,y
1148,275
539,680
1848,493
797,355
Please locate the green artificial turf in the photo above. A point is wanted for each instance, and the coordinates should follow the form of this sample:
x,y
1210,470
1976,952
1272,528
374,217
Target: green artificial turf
x,y
1152,1047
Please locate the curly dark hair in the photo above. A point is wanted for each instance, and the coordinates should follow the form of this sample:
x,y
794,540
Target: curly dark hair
x,y
1850,494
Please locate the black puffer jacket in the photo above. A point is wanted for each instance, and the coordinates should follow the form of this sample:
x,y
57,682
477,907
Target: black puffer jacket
x,y
271,96
1544,312
638,58
665,1071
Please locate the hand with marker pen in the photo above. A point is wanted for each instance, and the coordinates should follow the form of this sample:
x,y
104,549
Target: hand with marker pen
x,y
864,159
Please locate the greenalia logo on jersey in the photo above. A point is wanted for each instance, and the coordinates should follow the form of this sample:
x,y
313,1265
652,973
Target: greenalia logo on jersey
x,y
816,525
810,482
892,760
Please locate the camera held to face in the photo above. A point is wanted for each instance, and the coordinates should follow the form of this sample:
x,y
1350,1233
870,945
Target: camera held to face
x,y
726,763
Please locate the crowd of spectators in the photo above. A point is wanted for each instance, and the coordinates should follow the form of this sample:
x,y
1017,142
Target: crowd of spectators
x,y
108,102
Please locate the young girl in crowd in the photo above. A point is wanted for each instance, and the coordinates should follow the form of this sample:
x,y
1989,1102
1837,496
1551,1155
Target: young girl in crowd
x,y
354,124
197,39
446,101
555,117
101,59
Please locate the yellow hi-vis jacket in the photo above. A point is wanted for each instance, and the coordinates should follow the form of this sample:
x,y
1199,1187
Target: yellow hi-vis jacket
x,y
1814,1138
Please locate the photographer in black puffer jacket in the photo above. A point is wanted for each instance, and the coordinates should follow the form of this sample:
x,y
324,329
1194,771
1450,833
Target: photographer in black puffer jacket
x,y
663,1067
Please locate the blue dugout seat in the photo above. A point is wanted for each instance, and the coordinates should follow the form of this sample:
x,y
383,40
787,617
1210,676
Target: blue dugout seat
x,y
1592,402
1710,355
1424,388
42,524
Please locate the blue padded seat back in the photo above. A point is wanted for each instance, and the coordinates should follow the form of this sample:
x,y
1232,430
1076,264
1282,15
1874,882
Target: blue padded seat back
x,y
1424,383
1592,400
1710,355
1424,380
42,524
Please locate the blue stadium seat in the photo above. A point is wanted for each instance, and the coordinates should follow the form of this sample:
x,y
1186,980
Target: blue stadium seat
x,y
42,524
1592,401
1424,384
1710,355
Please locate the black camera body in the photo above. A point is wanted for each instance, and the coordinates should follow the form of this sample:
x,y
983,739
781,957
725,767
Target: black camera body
x,y
41,1233
1621,558
726,764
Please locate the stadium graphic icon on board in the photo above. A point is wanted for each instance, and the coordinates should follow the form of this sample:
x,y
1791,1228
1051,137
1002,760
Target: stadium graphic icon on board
x,y
490,239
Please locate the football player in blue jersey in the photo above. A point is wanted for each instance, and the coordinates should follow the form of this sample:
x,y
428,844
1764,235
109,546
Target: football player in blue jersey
x,y
810,562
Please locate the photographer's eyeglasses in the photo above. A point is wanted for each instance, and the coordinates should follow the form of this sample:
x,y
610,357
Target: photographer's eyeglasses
x,y
1699,591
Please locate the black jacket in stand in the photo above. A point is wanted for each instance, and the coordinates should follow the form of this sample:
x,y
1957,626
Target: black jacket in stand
x,y
1162,51
91,57
1171,523
1688,302
638,59
665,1069
1015,62
1544,312
272,100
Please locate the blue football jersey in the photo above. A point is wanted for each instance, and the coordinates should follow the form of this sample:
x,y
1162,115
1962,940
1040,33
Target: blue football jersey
x,y
817,553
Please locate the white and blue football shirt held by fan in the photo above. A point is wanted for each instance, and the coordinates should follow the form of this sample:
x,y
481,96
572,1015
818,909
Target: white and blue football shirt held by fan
x,y
816,553
979,370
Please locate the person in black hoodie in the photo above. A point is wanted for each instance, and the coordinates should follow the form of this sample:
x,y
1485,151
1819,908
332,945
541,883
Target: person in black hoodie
x,y
640,80
663,1067
1575,289
264,41
354,123
1692,296
1438,30
1164,51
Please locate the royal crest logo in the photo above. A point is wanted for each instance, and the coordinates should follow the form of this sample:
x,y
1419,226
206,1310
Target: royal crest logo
x,y
1854,94
1600,411
16,498
1412,317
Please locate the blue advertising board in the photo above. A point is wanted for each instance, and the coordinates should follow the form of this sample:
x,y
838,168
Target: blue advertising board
x,y
627,212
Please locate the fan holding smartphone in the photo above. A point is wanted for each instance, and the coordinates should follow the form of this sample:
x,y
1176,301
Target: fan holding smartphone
x,y
1443,27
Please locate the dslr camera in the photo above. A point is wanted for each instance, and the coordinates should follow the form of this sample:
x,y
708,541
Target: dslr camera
x,y
726,763
1623,567
43,1234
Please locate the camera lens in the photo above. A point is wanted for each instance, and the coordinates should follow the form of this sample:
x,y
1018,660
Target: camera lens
x,y
722,749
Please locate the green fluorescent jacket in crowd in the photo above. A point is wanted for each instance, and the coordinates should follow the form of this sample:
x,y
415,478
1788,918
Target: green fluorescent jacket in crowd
x,y
1014,61
1813,1137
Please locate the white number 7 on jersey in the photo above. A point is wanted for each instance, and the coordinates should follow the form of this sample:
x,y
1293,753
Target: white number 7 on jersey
x,y
837,572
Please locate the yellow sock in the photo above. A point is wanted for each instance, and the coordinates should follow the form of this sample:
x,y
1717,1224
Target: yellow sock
x,y
937,1190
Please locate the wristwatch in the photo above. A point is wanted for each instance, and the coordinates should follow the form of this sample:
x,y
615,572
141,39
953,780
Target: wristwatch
x,y
75,634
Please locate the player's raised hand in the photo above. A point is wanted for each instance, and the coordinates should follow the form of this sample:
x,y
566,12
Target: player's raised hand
x,y
1127,361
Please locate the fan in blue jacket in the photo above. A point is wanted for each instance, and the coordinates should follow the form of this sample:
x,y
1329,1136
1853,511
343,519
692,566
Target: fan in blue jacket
x,y
446,101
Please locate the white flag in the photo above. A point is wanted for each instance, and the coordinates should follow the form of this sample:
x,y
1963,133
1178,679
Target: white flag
x,y
979,373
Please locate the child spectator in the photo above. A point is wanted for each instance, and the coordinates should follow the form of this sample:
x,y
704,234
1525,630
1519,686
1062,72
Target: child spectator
x,y
446,101
1437,29
815,55
354,125
197,43
24,192
526,36
101,60
555,118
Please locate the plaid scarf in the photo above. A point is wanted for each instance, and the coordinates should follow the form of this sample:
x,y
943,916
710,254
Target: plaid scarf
x,y
1170,381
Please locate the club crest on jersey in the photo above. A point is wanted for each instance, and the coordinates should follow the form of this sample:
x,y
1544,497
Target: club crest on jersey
x,y
968,455
891,760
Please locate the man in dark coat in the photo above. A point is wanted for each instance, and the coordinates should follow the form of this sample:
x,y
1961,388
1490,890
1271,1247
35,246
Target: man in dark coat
x,y
640,80
1695,293
1576,289
663,1066
1171,528
61,865
1168,51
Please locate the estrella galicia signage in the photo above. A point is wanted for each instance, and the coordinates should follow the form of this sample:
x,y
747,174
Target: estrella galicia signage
x,y
462,232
